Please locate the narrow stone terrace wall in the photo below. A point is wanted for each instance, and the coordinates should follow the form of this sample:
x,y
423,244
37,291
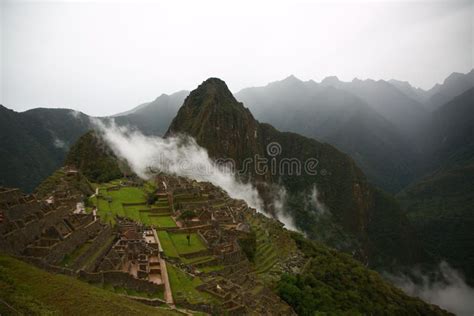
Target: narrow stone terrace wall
x,y
74,240
99,241
121,279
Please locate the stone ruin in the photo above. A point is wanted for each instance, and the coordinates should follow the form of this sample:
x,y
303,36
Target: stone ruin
x,y
136,251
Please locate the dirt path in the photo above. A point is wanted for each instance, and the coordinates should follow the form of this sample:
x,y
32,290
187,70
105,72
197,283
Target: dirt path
x,y
164,277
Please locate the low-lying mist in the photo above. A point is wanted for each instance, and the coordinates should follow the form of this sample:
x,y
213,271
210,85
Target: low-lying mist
x,y
180,156
447,290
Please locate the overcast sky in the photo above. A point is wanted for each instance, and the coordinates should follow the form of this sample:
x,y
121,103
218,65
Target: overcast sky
x,y
104,57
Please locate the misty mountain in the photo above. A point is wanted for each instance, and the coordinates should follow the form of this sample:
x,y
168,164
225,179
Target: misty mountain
x,y
454,131
34,143
153,118
441,204
406,88
227,129
331,113
405,113
454,85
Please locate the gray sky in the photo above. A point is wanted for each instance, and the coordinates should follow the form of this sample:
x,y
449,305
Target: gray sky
x,y
105,57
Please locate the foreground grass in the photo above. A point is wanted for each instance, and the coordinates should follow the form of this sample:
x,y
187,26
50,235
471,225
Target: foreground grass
x,y
25,289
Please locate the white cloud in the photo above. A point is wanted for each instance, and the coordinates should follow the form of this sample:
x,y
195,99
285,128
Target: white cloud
x,y
179,155
448,289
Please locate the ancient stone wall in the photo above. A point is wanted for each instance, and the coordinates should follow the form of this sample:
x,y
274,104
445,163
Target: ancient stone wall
x,y
74,240
121,279
42,264
202,253
209,309
98,242
16,241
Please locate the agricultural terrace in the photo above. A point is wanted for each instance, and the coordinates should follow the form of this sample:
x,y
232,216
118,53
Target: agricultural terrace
x,y
115,199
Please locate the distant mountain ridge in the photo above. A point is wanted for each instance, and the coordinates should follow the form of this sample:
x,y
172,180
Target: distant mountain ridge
x,y
386,126
332,113
153,118
34,143
441,203
454,85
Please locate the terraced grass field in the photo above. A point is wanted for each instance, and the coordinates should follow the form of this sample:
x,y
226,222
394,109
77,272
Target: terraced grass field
x,y
169,241
181,243
161,221
167,244
267,253
130,202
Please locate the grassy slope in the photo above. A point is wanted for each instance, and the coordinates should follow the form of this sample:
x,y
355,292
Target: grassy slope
x,y
32,291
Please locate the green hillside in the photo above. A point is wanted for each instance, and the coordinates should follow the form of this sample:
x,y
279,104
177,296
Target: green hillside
x,y
27,290
96,161
34,143
334,283
441,208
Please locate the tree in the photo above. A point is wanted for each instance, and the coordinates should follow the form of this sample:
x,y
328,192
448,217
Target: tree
x,y
151,198
187,215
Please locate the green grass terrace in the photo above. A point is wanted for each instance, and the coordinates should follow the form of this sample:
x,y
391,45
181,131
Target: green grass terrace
x,y
130,202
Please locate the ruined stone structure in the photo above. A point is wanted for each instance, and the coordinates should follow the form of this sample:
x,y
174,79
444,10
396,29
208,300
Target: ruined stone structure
x,y
136,252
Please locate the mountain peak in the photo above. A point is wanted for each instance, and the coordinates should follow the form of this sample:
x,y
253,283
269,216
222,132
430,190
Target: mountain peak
x,y
212,89
212,85
217,121
291,78
330,80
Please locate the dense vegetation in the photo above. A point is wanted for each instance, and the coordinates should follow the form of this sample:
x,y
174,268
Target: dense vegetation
x,y
94,159
332,283
441,208
441,204
249,245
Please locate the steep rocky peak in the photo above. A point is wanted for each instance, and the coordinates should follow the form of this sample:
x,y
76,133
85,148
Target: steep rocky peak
x,y
211,89
217,121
